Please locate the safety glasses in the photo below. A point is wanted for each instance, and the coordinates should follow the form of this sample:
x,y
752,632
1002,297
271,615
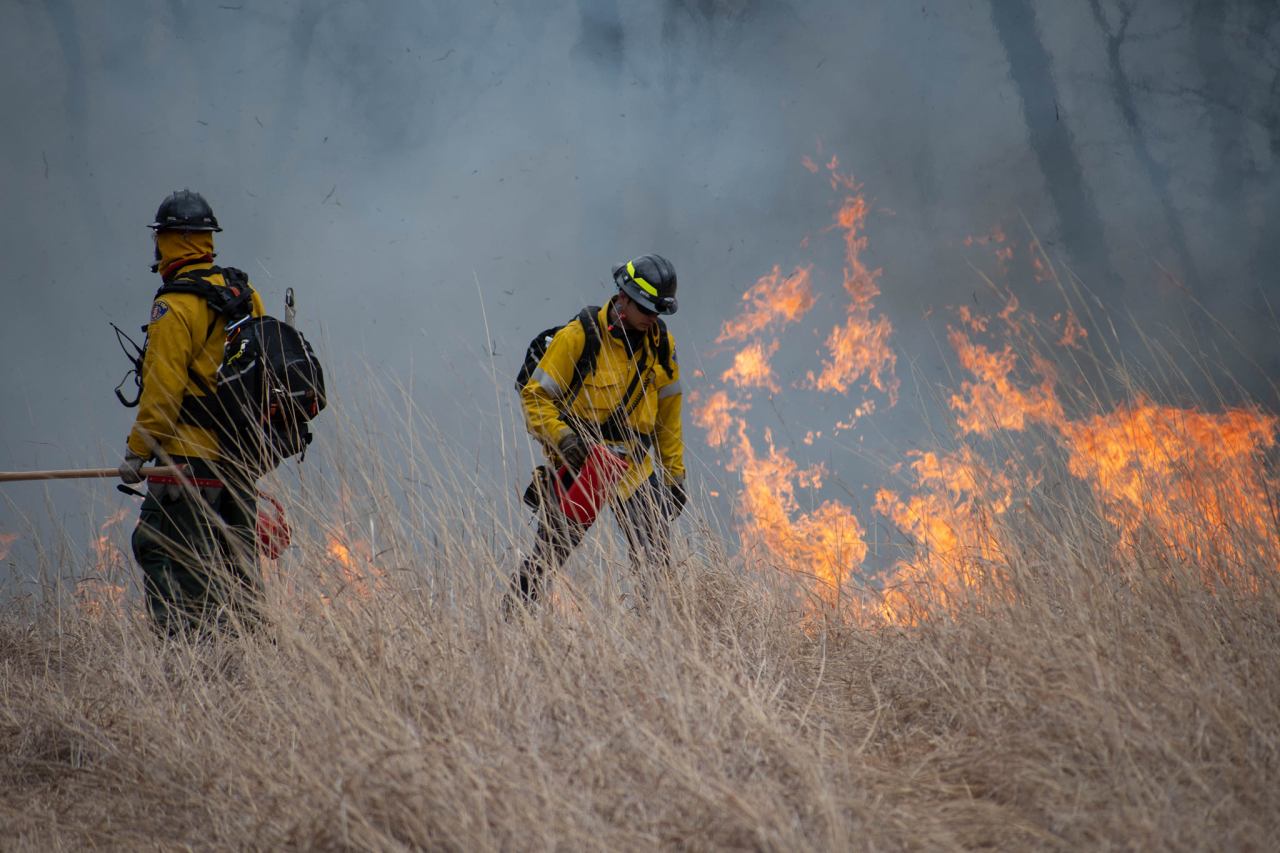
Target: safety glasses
x,y
665,304
662,304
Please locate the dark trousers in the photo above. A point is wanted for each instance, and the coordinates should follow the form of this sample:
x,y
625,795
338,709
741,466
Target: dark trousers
x,y
644,520
197,549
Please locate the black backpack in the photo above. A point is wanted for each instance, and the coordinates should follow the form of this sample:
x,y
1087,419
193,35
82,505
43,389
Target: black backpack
x,y
269,385
589,317
613,428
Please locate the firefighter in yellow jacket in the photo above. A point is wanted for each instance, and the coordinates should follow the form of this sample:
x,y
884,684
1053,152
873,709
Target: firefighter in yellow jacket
x,y
628,398
195,539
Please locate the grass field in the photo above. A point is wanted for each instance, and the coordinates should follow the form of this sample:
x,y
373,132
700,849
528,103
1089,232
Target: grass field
x,y
1081,689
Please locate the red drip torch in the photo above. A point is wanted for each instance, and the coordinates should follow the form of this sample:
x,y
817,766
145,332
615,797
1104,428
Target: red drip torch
x,y
585,494
274,532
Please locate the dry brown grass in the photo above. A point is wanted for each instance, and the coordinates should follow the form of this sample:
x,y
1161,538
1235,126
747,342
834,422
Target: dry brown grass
x,y
1100,699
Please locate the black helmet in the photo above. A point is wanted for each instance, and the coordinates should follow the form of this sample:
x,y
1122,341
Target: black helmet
x,y
650,281
184,210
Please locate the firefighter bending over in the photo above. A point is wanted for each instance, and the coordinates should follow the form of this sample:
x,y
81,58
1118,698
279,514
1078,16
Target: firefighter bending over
x,y
608,383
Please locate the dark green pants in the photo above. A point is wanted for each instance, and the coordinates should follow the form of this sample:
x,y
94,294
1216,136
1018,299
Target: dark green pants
x,y
198,554
645,520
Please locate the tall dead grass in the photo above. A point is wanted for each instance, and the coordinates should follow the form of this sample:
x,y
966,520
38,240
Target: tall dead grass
x,y
1087,696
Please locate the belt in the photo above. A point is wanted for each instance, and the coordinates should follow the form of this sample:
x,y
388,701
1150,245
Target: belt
x,y
199,482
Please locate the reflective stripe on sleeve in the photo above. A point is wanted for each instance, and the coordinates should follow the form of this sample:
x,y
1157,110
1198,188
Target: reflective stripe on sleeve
x,y
544,379
669,390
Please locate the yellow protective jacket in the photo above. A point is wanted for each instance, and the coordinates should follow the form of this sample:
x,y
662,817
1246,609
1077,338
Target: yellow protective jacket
x,y
656,415
184,338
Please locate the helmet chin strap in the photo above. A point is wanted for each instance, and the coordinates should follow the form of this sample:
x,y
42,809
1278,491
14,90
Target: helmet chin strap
x,y
633,338
616,320
615,315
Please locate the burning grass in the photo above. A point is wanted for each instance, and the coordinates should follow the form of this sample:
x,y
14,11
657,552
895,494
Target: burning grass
x,y
1074,692
1075,648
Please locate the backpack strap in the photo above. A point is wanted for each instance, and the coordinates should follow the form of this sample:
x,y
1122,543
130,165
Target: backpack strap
x,y
664,347
231,303
614,427
589,317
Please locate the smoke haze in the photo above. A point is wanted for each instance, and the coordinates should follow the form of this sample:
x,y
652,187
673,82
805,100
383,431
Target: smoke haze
x,y
400,164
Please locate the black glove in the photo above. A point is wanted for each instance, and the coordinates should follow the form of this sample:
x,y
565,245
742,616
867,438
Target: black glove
x,y
131,468
675,497
573,450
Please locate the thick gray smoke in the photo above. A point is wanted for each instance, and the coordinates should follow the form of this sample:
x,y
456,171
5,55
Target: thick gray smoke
x,y
399,163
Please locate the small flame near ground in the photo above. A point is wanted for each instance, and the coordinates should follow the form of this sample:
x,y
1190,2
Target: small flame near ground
x,y
103,590
351,551
354,558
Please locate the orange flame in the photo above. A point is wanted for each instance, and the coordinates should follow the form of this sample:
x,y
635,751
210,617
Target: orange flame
x,y
1040,268
973,322
951,519
6,543
861,346
996,242
827,543
959,492
751,368
1188,478
355,562
101,593
96,597
715,415
994,401
1194,480
771,300
1073,333
107,556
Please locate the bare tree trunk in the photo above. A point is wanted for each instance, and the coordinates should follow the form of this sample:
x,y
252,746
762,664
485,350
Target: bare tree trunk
x,y
603,38
1265,266
1257,195
1157,174
1220,76
1030,69
1266,260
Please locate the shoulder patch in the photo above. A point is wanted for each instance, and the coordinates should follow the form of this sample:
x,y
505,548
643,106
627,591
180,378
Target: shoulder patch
x,y
158,309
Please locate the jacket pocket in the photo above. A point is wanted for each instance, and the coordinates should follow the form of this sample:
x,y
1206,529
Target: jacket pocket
x,y
601,393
